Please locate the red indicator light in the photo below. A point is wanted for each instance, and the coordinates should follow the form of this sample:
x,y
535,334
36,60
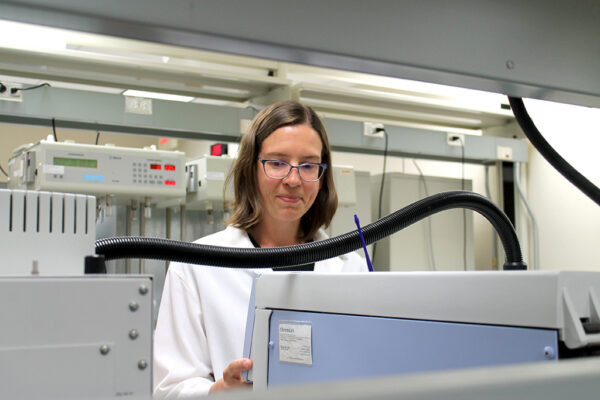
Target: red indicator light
x,y
170,183
155,166
218,149
169,167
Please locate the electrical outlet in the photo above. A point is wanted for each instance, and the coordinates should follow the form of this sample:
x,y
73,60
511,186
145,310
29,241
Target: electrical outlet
x,y
455,139
373,129
138,105
5,92
504,153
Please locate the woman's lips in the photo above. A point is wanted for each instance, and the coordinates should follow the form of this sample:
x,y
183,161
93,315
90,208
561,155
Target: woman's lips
x,y
289,199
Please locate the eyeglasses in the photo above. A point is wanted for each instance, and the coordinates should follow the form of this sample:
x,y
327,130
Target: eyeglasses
x,y
277,169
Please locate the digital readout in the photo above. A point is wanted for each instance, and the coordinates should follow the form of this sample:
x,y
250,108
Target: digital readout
x,y
75,162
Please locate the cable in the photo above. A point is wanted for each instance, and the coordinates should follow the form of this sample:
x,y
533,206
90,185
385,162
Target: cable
x,y
15,89
559,163
489,196
462,187
234,257
54,129
430,235
536,239
385,150
3,171
97,135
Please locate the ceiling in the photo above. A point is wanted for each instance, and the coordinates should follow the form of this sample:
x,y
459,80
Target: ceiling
x,y
33,55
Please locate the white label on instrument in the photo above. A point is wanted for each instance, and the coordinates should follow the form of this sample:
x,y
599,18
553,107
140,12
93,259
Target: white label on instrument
x,y
53,169
295,343
215,176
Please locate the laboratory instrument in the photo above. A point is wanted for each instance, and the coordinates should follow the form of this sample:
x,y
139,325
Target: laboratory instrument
x,y
45,233
205,181
115,174
76,337
302,327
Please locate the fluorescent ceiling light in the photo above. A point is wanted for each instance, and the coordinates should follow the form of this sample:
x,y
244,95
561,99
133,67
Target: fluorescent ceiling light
x,y
159,96
219,89
25,36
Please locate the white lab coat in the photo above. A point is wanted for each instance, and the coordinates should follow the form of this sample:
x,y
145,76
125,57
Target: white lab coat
x,y
202,318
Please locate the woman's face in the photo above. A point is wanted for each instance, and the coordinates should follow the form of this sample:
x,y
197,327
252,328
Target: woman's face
x,y
288,199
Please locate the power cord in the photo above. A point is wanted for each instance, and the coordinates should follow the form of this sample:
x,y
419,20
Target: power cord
x,y
97,135
54,129
3,171
430,235
15,89
462,187
385,150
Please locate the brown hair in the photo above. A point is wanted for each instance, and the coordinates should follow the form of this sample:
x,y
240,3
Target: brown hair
x,y
247,208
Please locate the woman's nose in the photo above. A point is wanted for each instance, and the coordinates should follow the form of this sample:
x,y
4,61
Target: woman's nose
x,y
293,177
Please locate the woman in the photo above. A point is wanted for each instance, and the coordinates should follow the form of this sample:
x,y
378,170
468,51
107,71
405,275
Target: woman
x,y
284,194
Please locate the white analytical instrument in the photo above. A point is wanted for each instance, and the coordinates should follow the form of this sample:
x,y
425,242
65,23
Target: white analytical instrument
x,y
116,173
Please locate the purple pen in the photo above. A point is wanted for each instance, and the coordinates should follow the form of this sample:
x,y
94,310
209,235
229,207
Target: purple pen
x,y
362,240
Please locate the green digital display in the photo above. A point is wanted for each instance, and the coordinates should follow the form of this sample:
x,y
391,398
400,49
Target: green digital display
x,y
75,162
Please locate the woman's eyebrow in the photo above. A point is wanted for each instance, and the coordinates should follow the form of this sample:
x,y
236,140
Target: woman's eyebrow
x,y
313,157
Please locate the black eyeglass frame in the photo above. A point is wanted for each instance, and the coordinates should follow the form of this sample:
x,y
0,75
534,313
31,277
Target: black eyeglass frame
x,y
264,160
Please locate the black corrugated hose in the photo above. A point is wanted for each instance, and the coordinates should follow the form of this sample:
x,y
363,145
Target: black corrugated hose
x,y
559,163
171,250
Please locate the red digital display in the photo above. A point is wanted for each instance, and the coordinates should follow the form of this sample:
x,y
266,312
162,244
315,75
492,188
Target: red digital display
x,y
155,166
169,167
170,183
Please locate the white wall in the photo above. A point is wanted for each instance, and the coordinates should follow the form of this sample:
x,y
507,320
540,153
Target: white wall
x,y
569,222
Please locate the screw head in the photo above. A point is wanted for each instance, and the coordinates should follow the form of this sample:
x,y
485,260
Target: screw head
x,y
133,306
143,289
142,364
133,334
510,64
549,352
104,349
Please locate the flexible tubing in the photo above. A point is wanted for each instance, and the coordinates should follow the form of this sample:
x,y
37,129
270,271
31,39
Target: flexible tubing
x,y
559,163
534,225
233,257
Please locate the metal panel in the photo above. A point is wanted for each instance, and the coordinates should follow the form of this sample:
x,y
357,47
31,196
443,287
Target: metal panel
x,y
346,347
482,297
53,330
533,49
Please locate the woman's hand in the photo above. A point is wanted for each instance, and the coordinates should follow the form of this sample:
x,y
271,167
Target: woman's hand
x,y
232,376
